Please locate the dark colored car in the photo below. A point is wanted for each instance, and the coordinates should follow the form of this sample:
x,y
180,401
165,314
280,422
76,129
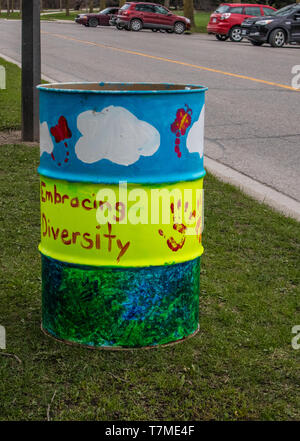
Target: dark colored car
x,y
101,18
282,27
136,16
226,21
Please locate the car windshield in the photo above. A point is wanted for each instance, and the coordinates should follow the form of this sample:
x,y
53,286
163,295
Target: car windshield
x,y
105,11
287,10
124,7
269,12
221,9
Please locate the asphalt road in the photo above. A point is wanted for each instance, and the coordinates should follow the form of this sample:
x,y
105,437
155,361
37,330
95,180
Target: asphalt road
x,y
252,125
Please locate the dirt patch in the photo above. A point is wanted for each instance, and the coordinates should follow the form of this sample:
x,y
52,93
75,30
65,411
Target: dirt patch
x,y
14,137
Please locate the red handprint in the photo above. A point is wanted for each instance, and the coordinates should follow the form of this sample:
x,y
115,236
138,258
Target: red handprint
x,y
182,228
171,242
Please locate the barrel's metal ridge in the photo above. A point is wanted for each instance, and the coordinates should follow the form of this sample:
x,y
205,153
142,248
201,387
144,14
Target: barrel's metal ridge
x,y
133,282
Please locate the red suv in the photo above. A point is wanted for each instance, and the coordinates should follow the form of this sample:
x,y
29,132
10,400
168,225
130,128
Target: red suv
x,y
226,21
135,16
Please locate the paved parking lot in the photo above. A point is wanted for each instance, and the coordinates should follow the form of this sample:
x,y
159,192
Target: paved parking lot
x,y
252,119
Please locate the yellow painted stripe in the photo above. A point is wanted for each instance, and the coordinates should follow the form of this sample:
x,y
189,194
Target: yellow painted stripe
x,y
169,60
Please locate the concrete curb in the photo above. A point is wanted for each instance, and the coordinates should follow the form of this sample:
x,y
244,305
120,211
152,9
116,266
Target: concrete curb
x,y
12,60
261,192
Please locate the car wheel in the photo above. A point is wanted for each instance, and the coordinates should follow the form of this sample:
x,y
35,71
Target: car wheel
x,y
170,31
179,27
154,30
235,34
277,38
136,25
256,43
118,26
221,37
93,22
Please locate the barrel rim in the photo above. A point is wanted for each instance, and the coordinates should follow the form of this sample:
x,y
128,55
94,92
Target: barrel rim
x,y
186,88
95,178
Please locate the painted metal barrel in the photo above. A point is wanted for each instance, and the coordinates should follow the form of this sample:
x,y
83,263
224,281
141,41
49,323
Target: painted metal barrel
x,y
121,178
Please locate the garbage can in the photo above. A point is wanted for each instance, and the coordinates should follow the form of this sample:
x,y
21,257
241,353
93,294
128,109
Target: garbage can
x,y
121,176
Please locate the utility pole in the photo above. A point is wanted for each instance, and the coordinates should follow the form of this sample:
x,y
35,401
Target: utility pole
x,y
31,69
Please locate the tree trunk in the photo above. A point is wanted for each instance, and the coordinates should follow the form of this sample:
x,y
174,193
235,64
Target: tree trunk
x,y
8,7
12,5
188,11
91,5
60,5
67,7
102,5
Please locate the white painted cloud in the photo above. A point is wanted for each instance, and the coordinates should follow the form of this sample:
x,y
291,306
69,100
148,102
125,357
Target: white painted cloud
x,y
195,138
46,144
115,134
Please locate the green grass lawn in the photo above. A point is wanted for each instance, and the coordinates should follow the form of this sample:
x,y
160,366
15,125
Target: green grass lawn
x,y
240,366
201,18
53,16
10,102
11,16
63,16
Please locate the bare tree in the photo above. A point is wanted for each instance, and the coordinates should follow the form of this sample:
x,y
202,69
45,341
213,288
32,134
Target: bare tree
x,y
102,5
67,7
91,5
60,5
188,11
8,7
